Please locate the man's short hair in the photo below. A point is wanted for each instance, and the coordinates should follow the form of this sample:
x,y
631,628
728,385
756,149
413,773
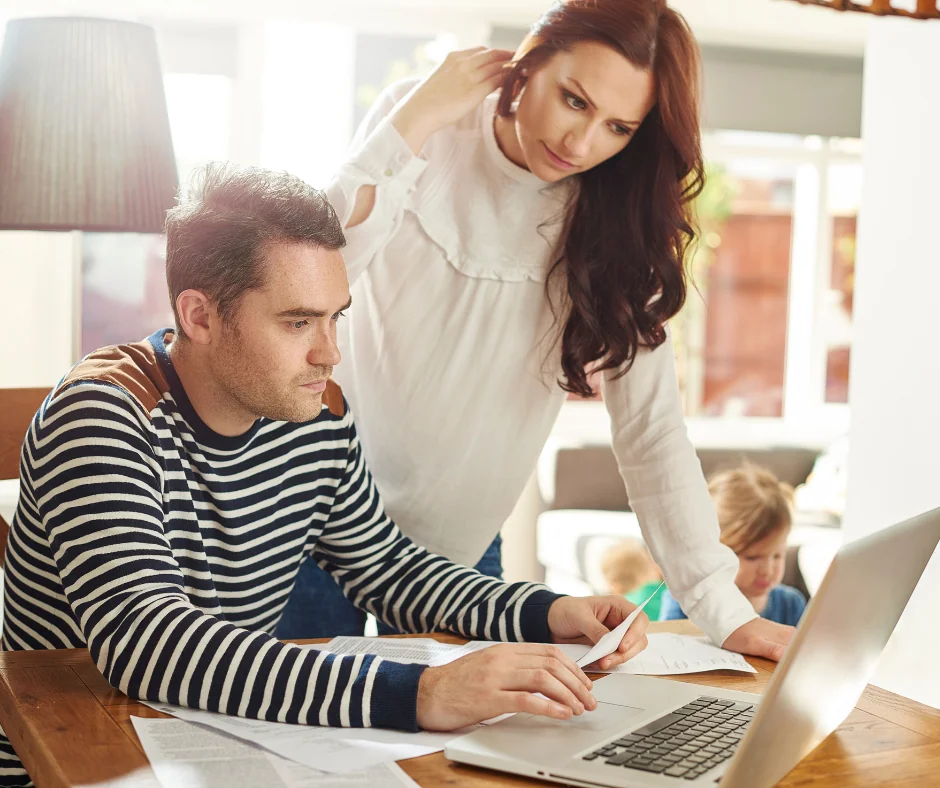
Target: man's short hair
x,y
217,235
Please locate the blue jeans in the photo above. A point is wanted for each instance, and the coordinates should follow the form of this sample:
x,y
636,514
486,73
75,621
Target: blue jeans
x,y
317,608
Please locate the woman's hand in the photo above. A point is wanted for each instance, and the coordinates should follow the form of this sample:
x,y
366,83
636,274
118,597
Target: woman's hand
x,y
760,638
454,88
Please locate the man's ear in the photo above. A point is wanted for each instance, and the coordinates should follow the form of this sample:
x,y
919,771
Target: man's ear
x,y
196,315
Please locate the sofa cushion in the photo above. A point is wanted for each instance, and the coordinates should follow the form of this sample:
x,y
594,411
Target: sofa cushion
x,y
587,477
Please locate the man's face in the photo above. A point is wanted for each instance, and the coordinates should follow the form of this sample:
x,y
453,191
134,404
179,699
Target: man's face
x,y
279,348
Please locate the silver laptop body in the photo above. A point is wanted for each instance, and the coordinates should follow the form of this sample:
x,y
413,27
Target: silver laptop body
x,y
752,740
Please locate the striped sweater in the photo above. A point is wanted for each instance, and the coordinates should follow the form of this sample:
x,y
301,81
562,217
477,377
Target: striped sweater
x,y
170,550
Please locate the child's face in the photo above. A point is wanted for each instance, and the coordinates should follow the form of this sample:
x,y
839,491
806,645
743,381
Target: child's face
x,y
762,565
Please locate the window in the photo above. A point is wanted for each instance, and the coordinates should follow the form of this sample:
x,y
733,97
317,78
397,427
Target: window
x,y
769,333
124,295
845,188
736,365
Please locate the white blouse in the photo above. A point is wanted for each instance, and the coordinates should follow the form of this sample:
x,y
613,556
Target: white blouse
x,y
450,362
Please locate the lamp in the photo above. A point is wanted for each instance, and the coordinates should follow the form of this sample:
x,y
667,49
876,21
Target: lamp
x,y
922,9
84,134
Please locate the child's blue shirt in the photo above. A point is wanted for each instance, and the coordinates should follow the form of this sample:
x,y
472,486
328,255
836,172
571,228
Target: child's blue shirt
x,y
785,605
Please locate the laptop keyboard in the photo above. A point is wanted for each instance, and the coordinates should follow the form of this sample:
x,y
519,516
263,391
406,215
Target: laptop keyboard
x,y
683,744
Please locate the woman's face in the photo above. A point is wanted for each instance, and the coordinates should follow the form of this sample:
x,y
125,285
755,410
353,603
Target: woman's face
x,y
578,109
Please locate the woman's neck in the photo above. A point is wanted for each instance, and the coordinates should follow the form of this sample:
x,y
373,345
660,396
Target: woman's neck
x,y
504,127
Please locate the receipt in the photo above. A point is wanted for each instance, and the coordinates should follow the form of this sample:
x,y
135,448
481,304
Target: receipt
x,y
609,643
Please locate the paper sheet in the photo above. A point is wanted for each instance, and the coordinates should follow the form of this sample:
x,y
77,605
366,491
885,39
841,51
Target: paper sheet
x,y
609,643
334,750
139,778
457,652
185,755
669,654
422,651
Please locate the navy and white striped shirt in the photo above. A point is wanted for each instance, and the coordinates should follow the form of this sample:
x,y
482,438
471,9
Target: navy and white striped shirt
x,y
170,550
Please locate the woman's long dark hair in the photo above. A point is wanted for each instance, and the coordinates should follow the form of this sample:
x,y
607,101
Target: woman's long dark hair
x,y
626,239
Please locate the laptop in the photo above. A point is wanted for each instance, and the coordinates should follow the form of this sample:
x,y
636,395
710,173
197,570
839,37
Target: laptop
x,y
654,733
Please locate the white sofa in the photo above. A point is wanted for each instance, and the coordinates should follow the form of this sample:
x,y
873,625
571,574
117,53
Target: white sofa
x,y
588,510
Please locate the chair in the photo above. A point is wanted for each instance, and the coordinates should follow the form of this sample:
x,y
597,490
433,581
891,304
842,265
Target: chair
x,y
17,408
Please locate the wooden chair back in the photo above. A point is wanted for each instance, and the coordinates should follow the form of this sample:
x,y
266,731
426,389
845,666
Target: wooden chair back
x,y
17,408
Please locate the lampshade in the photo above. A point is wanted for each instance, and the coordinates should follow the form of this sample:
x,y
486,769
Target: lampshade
x,y
84,134
915,9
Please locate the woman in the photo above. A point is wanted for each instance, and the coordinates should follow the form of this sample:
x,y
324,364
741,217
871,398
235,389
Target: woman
x,y
500,247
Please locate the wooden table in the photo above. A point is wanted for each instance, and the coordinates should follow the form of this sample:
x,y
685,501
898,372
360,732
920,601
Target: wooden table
x,y
71,729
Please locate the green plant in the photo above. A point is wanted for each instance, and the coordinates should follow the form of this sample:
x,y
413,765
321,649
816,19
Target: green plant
x,y
712,209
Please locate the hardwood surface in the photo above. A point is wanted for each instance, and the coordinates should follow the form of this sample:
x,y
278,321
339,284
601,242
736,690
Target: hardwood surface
x,y
71,728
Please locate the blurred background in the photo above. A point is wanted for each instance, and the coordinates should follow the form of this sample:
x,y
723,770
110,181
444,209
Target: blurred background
x,y
284,85
808,115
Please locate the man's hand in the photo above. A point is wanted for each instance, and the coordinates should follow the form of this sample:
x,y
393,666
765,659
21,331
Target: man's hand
x,y
760,638
586,619
499,680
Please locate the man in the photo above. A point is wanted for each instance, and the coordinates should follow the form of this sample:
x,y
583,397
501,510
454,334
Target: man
x,y
171,488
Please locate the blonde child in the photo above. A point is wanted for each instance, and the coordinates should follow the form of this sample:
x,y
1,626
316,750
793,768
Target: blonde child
x,y
754,514
629,571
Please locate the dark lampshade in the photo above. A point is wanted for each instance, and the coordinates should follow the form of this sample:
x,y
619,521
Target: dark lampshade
x,y
84,134
922,9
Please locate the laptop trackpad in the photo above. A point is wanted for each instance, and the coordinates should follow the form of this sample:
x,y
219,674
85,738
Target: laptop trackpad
x,y
546,741
607,716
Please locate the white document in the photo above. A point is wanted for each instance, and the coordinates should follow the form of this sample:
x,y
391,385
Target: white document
x,y
185,755
139,778
334,750
609,643
461,651
422,651
669,654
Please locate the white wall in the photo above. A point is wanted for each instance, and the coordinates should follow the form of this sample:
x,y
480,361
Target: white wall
x,y
36,317
894,459
309,68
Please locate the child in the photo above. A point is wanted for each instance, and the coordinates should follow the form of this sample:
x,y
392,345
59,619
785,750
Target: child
x,y
629,571
754,515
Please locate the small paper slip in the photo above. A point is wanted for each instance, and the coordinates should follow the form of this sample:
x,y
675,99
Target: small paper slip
x,y
609,643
